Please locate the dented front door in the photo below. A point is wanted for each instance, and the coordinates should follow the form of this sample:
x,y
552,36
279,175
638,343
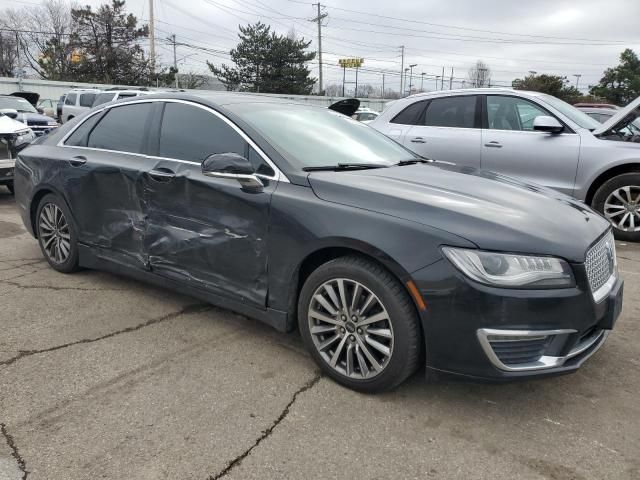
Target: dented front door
x,y
207,232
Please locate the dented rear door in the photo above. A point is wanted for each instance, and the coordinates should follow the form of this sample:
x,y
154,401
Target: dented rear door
x,y
205,231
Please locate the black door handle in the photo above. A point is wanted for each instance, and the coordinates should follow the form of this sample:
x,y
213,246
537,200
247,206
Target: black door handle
x,y
162,175
493,144
78,160
418,140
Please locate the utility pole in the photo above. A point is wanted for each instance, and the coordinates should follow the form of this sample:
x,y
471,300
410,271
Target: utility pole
x,y
355,93
382,86
319,19
344,74
152,40
422,81
411,76
172,39
442,80
402,72
451,79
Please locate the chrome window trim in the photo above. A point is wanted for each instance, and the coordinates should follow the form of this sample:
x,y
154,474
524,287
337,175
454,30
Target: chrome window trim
x,y
278,176
546,361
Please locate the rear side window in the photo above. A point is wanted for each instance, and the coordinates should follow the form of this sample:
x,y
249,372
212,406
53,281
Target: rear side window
x,y
451,112
86,99
71,99
103,98
122,129
412,115
79,136
192,133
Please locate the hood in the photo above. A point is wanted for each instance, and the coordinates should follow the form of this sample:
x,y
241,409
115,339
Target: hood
x,y
492,211
8,125
31,97
347,107
34,118
619,117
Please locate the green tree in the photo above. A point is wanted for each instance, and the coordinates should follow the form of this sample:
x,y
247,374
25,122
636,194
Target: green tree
x,y
620,84
107,44
552,84
267,62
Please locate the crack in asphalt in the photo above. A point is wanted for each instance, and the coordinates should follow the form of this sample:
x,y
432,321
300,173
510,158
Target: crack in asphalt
x,y
628,258
50,287
15,453
189,309
266,433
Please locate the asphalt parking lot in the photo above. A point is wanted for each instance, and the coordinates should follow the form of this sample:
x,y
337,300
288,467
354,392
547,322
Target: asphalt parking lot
x,y
104,377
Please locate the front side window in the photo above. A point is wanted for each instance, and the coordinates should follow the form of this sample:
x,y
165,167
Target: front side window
x,y
192,133
458,112
512,113
71,99
121,129
86,99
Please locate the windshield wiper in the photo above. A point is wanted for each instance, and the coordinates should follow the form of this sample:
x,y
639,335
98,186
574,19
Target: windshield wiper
x,y
344,166
413,161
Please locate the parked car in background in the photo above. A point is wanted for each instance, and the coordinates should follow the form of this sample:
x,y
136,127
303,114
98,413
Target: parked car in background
x,y
532,136
23,111
303,217
14,136
59,107
599,113
609,106
77,102
365,115
118,94
47,107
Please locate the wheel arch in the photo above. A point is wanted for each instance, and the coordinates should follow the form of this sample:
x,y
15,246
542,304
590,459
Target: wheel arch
x,y
322,254
633,167
37,197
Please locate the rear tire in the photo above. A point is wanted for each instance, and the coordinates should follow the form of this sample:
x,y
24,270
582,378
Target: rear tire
x,y
57,234
336,319
618,199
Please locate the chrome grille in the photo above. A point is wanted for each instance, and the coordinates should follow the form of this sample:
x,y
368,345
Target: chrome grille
x,y
601,262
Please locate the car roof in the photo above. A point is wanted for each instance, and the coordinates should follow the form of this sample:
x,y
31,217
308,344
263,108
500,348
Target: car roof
x,y
226,98
475,91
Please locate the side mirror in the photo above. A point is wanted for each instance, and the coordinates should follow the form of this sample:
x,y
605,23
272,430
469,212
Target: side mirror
x,y
545,123
232,165
10,112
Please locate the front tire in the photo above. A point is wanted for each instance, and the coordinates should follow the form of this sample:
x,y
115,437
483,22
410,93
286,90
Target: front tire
x,y
359,324
618,199
57,235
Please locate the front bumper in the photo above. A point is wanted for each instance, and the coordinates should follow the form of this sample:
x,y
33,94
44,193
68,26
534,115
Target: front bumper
x,y
500,334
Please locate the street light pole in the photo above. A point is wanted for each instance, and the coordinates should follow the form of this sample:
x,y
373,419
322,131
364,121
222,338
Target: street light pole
x,y
422,82
405,80
437,80
577,75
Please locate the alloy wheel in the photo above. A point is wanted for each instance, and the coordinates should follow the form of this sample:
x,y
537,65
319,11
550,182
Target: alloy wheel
x,y
622,208
54,233
350,328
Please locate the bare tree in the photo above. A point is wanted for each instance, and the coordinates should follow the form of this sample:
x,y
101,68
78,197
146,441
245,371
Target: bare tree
x,y
43,32
480,75
333,90
8,55
192,80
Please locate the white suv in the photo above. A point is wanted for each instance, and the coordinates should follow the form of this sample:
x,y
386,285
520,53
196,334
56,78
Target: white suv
x,y
77,102
532,136
119,94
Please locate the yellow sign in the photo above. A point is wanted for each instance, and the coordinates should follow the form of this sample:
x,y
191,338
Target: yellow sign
x,y
350,62
76,56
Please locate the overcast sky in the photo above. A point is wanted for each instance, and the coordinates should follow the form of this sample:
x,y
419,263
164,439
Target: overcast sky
x,y
563,37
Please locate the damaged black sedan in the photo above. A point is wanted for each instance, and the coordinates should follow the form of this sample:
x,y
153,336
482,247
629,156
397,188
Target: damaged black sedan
x,y
302,217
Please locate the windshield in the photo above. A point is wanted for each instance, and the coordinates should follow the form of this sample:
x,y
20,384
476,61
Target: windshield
x,y
315,136
19,104
572,113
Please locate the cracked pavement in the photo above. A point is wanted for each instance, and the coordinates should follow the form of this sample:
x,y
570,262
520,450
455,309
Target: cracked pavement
x,y
105,377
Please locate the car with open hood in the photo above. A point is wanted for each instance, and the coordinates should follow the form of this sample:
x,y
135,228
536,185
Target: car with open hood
x,y
532,136
303,217
14,136
21,106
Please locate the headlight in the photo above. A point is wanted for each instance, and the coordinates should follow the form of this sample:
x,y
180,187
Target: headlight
x,y
511,270
24,136
53,123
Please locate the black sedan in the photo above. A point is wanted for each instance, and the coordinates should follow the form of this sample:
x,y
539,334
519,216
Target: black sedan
x,y
302,217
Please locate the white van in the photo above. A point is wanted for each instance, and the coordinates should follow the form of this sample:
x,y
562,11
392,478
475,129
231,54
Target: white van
x,y
77,102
